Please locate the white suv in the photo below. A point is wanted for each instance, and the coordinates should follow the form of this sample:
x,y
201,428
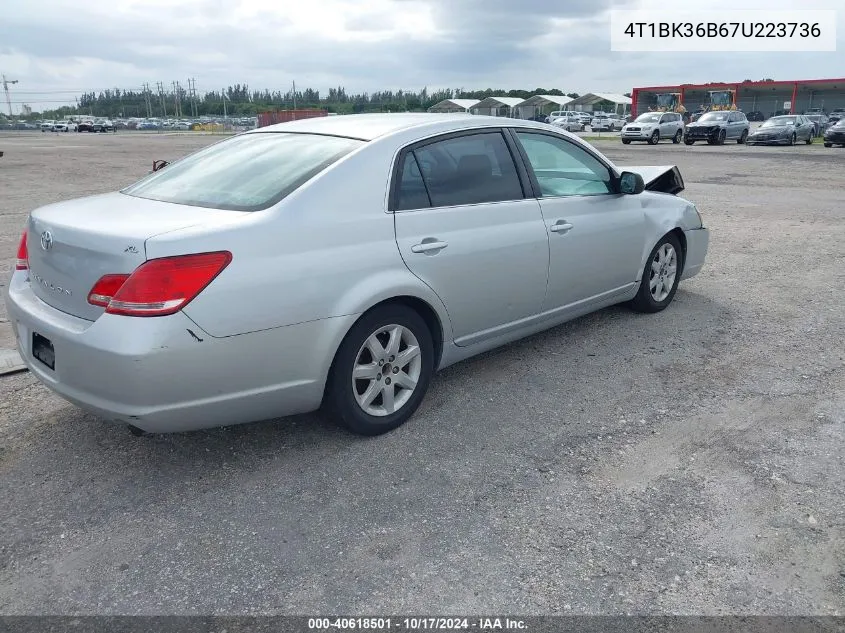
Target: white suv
x,y
653,127
560,114
609,121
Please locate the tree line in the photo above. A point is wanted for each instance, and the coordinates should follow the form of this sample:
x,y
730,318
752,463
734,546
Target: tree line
x,y
240,100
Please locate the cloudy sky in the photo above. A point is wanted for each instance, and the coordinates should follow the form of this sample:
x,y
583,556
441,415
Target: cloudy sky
x,y
59,48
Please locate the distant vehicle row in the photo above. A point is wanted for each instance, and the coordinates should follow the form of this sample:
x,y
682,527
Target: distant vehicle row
x,y
718,127
85,125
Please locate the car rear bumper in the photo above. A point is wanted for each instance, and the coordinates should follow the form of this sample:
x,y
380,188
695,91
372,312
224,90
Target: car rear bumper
x,y
165,374
698,241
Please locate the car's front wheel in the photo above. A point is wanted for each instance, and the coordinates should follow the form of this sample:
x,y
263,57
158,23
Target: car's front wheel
x,y
678,136
626,141
381,371
654,138
744,137
792,139
689,141
661,275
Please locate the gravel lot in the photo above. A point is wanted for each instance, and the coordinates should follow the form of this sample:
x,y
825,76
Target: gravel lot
x,y
685,462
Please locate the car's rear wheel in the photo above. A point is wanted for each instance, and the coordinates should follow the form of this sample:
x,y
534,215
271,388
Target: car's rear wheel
x,y
654,138
809,140
741,140
381,371
792,139
661,275
678,136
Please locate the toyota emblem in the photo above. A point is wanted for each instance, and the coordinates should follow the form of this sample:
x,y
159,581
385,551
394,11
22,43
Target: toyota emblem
x,y
46,240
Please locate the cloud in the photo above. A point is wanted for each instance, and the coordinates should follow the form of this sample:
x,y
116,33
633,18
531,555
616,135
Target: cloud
x,y
364,45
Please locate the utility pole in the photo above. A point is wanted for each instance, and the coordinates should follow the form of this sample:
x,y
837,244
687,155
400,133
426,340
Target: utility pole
x,y
6,84
223,93
147,100
175,85
192,90
160,87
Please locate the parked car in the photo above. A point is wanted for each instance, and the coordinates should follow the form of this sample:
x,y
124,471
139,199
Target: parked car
x,y
86,125
756,116
412,219
653,127
820,123
102,125
782,130
557,114
47,126
64,126
570,123
718,127
835,134
606,122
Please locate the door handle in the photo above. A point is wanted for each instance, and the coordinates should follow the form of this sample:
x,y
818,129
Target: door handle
x,y
428,245
560,227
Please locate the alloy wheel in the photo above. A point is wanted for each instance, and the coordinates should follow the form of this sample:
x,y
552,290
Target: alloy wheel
x,y
664,267
386,370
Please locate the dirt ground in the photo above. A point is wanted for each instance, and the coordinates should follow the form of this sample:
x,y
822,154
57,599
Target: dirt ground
x,y
689,462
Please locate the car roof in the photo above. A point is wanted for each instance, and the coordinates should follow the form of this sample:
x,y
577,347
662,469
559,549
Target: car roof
x,y
368,127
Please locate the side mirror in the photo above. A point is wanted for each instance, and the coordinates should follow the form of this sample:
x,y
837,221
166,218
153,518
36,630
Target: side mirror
x,y
631,183
159,164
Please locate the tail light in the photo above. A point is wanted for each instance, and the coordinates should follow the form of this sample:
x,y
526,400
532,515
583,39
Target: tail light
x,y
158,287
22,260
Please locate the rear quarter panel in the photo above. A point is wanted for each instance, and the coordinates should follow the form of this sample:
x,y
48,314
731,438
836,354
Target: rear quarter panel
x,y
327,250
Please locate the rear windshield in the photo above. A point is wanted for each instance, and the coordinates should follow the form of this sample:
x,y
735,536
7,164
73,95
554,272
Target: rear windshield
x,y
249,172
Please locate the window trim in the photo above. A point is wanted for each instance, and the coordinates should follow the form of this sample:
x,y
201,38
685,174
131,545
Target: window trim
x,y
396,170
535,184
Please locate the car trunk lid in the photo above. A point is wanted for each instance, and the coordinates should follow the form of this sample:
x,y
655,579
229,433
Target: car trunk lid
x,y
72,244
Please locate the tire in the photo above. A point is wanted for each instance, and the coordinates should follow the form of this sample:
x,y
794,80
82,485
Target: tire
x,y
741,140
343,397
689,141
626,141
654,139
792,139
828,144
809,140
678,136
668,248
722,136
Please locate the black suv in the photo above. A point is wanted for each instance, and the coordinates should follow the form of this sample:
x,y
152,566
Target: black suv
x,y
718,126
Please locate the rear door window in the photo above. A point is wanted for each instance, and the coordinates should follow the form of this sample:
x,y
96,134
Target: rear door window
x,y
469,169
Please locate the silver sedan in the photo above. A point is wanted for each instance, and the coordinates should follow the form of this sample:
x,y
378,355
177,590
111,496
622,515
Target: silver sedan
x,y
336,262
